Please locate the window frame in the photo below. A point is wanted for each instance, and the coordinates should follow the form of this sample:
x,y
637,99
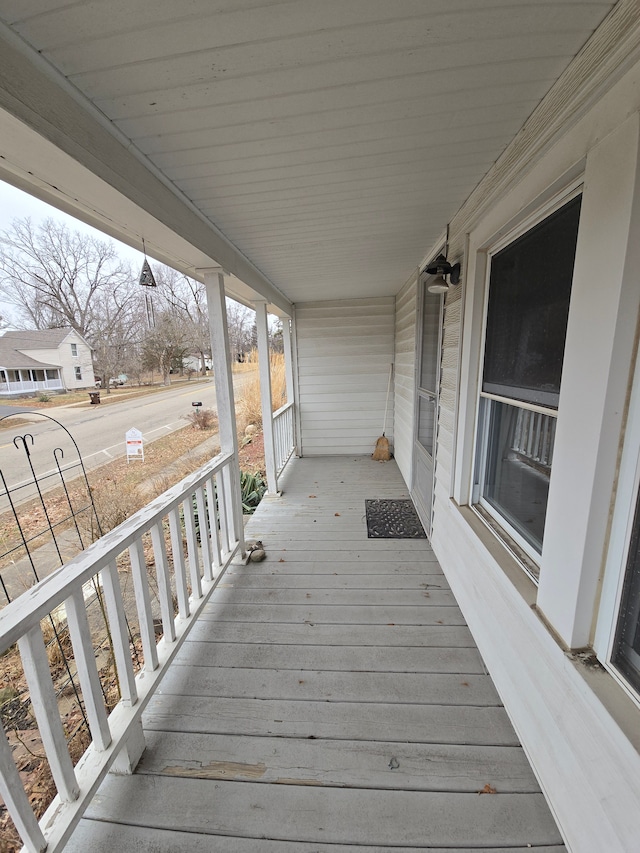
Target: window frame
x,y
74,350
617,556
527,556
426,395
78,373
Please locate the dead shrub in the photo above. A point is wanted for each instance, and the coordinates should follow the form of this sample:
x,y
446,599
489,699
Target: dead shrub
x,y
202,418
114,503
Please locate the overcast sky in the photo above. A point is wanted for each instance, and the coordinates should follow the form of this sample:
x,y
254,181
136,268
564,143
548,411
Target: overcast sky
x,y
15,204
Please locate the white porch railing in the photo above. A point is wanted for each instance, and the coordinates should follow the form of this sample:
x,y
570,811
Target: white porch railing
x,y
534,436
22,386
283,437
203,510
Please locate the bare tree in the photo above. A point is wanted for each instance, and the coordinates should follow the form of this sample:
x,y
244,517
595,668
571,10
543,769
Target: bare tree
x,y
241,325
166,345
276,339
118,347
185,299
55,277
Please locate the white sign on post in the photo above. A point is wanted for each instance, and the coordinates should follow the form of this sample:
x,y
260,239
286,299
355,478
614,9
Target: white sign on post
x,y
134,445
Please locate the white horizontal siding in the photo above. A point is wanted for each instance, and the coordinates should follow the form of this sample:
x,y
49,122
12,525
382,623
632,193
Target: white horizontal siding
x,y
345,350
448,396
405,359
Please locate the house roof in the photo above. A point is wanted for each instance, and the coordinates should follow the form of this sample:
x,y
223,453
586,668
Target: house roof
x,y
13,342
313,150
12,359
35,338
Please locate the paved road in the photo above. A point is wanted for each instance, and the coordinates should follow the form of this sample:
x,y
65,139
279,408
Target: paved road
x,y
99,432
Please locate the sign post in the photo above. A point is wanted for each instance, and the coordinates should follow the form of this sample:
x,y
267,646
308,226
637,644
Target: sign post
x,y
135,448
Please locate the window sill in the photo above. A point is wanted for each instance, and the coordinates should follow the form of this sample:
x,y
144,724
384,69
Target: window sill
x,y
600,683
505,559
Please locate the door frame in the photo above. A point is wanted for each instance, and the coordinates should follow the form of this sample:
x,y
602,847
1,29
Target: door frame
x,y
419,454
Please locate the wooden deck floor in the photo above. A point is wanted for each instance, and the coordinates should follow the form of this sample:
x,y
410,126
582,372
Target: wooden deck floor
x,y
331,699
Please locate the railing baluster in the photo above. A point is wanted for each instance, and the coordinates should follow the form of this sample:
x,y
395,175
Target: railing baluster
x,y
283,436
192,547
236,511
119,635
85,658
214,528
123,736
229,478
179,570
164,581
143,605
205,542
35,664
17,801
223,504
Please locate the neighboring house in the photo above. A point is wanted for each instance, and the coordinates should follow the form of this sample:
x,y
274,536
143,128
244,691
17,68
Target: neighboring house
x,y
515,397
48,360
194,362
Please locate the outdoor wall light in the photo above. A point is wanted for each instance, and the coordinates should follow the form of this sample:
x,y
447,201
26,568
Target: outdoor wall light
x,y
438,286
441,267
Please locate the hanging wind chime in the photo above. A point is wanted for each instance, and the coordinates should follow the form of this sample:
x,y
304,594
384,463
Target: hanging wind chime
x,y
147,280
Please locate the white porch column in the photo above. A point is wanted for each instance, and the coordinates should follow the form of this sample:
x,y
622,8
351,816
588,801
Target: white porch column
x,y
265,396
288,357
225,401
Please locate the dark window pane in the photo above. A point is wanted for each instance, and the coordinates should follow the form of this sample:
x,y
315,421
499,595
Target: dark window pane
x,y
430,335
529,293
626,656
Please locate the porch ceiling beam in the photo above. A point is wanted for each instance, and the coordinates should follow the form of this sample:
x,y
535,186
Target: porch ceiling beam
x,y
39,97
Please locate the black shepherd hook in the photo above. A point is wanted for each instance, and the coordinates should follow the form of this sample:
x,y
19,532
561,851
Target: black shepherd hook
x,y
23,440
56,451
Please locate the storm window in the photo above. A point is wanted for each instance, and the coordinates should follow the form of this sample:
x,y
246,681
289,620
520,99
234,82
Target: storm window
x,y
526,324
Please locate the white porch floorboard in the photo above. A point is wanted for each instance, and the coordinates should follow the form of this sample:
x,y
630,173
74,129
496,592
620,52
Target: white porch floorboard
x,y
331,698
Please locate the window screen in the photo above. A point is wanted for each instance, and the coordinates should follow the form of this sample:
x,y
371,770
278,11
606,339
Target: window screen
x,y
529,293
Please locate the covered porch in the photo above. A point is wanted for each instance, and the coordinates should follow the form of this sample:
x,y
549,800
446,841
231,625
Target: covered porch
x,y
15,382
328,698
360,169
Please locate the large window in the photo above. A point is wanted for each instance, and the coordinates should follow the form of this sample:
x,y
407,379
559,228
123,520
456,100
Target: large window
x,y
626,651
617,637
526,323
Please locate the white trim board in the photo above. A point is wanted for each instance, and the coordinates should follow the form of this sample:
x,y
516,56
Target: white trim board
x,y
569,735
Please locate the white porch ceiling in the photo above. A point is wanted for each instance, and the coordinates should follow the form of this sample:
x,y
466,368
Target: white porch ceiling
x,y
329,141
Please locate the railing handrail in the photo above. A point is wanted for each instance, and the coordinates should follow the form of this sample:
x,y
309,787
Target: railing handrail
x,y
213,492
36,603
282,410
283,436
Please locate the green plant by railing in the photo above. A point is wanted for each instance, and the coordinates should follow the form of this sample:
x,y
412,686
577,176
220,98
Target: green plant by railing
x,y
253,488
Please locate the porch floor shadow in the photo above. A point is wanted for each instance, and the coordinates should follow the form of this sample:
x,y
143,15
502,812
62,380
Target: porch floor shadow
x,y
331,698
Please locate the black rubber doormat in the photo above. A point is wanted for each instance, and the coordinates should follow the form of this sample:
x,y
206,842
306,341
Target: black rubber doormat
x,y
393,519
